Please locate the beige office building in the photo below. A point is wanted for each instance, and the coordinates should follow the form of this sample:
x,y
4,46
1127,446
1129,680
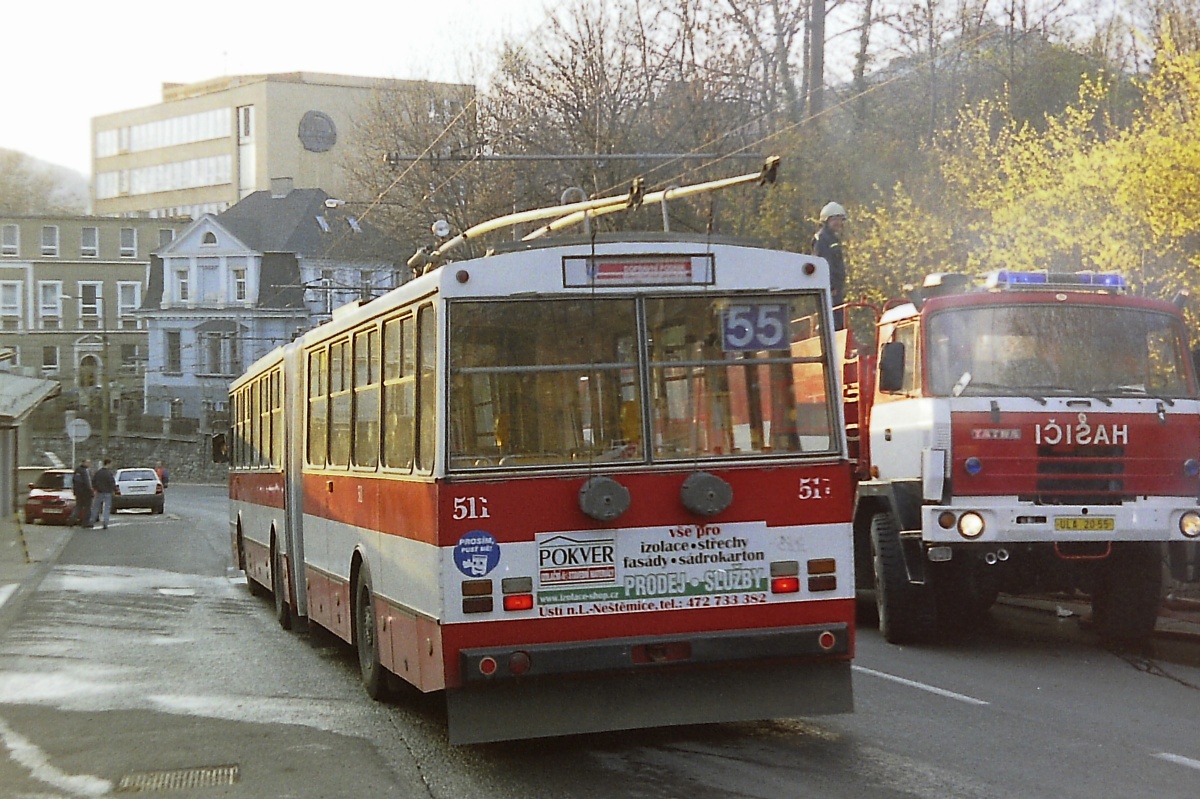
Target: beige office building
x,y
208,145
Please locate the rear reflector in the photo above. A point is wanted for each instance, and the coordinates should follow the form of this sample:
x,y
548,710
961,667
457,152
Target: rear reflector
x,y
785,585
487,666
822,566
825,583
477,587
518,601
477,604
826,640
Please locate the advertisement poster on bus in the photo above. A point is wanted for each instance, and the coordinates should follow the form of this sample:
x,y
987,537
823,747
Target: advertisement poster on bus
x,y
657,568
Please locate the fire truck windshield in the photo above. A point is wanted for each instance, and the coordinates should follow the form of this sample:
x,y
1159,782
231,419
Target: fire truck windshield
x,y
1041,349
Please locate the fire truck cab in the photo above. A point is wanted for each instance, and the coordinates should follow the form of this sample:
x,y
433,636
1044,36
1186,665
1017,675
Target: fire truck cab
x,y
1029,432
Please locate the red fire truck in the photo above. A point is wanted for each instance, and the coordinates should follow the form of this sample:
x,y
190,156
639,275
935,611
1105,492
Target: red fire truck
x,y
1031,432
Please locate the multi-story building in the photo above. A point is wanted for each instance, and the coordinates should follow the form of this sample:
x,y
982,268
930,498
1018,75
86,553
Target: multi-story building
x,y
71,289
233,286
208,145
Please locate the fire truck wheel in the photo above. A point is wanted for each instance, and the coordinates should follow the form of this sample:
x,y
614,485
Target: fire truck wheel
x,y
366,637
906,611
283,608
1127,594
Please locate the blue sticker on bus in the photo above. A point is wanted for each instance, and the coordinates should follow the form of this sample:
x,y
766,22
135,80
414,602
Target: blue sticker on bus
x,y
477,553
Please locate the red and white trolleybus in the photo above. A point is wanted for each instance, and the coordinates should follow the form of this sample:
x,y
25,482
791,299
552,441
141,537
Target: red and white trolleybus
x,y
578,487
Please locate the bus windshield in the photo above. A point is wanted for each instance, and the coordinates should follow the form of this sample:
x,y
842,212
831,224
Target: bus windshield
x,y
573,381
1056,349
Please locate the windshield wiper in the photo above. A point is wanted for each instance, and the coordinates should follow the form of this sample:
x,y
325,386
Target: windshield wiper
x,y
1068,391
1007,391
1134,391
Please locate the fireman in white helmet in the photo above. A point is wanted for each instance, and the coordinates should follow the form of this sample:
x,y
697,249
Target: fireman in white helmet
x,y
827,244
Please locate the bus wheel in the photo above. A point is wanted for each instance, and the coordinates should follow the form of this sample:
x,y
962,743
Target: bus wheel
x,y
1127,593
906,611
283,608
366,637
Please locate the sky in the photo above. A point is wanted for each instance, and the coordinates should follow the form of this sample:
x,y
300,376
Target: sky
x,y
66,61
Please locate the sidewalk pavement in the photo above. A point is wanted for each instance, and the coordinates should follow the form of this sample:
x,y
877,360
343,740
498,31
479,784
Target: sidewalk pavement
x,y
27,552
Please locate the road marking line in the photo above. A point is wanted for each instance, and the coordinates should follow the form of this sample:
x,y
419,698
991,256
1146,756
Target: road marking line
x,y
970,700
6,592
34,760
1179,760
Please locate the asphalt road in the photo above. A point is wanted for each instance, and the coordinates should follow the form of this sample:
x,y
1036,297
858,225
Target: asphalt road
x,y
141,658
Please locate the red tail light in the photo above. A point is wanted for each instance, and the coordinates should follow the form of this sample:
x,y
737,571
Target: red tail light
x,y
785,585
518,601
158,489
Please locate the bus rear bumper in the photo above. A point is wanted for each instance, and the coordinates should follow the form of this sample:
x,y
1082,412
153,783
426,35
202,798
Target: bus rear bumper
x,y
792,680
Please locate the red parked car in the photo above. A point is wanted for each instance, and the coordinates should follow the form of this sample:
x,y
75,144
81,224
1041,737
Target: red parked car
x,y
51,499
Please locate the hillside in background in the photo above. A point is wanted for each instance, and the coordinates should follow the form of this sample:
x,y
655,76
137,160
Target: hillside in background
x,y
29,187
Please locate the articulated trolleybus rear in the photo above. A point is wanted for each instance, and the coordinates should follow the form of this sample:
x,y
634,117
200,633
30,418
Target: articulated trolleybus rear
x,y
579,487
1038,432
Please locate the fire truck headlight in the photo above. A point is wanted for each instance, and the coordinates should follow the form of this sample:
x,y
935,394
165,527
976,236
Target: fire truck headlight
x,y
1191,467
973,466
970,525
1189,524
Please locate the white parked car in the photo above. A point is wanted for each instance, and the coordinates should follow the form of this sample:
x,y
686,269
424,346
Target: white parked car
x,y
138,488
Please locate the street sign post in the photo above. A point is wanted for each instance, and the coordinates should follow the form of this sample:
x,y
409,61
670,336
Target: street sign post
x,y
77,430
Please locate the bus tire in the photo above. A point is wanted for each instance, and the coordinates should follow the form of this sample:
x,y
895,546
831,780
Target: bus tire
x,y
283,608
1126,597
366,636
906,611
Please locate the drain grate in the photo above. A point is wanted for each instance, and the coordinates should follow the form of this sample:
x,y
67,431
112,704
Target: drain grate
x,y
206,777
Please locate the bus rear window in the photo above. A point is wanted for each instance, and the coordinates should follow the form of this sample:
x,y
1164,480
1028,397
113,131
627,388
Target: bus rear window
x,y
563,382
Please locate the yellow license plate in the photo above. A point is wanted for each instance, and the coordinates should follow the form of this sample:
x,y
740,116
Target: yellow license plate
x,y
1085,523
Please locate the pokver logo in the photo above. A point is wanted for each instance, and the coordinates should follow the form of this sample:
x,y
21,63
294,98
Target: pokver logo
x,y
565,561
1052,433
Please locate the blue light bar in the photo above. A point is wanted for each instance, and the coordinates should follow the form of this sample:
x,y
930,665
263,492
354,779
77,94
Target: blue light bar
x,y
1097,281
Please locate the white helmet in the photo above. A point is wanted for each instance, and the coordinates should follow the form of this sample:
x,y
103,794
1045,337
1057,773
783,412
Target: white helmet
x,y
832,209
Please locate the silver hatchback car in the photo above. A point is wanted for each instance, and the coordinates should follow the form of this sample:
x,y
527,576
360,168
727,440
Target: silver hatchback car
x,y
138,488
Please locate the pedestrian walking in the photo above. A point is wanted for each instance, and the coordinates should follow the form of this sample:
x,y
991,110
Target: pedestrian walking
x,y
81,485
105,485
163,476
827,244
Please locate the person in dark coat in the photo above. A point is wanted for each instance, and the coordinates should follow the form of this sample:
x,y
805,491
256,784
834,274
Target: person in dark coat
x,y
105,485
81,485
827,244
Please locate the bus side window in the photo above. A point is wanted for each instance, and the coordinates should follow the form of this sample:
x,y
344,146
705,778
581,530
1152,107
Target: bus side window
x,y
426,387
399,392
318,408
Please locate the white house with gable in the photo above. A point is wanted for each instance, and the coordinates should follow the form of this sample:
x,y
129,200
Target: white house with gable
x,y
233,286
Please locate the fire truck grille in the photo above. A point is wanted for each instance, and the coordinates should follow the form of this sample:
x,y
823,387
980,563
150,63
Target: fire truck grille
x,y
1080,476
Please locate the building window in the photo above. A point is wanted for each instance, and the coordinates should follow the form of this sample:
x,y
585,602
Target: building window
x,y
91,306
131,359
49,360
174,352
165,236
50,304
89,242
10,240
181,285
209,239
10,305
128,242
239,285
326,289
245,118
129,299
88,373
50,240
208,276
